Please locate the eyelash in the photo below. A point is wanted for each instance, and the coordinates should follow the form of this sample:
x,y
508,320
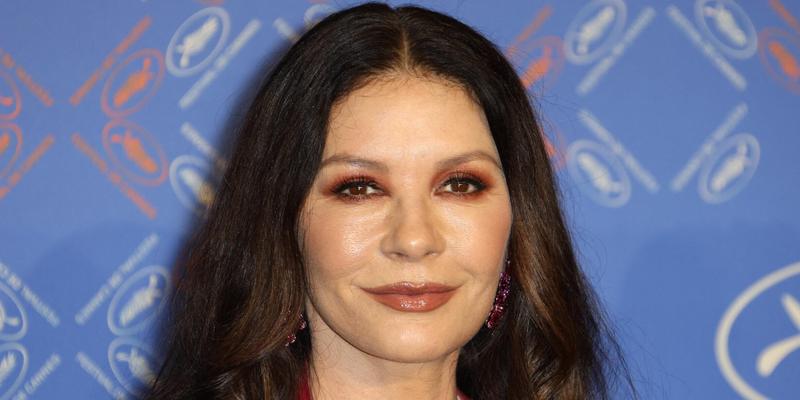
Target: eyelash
x,y
363,180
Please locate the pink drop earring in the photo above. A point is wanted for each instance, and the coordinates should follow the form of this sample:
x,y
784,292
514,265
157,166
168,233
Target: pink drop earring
x,y
499,307
301,324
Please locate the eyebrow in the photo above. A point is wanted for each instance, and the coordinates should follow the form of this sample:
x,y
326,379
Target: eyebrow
x,y
450,162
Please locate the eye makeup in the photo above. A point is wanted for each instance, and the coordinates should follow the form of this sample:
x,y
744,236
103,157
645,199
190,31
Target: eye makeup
x,y
459,180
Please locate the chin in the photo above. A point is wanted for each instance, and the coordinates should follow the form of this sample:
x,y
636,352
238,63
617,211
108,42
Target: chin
x,y
414,345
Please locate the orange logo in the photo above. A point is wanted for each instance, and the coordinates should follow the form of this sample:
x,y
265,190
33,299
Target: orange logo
x,y
135,152
780,54
10,146
10,99
132,83
542,60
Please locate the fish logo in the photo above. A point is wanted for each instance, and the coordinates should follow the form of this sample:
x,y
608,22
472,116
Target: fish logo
x,y
728,26
10,146
135,152
13,366
599,173
779,52
194,182
729,169
132,83
755,360
197,41
133,364
138,301
10,98
13,320
594,30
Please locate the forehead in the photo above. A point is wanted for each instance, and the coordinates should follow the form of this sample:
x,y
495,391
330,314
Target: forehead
x,y
402,117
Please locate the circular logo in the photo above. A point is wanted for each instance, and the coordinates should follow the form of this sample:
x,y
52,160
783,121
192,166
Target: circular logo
x,y
595,29
13,366
135,152
10,99
539,61
727,26
779,52
197,41
729,169
194,182
133,364
138,301
132,83
13,321
773,352
599,173
10,146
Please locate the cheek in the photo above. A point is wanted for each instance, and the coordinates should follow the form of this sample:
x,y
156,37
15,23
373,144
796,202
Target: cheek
x,y
480,235
338,243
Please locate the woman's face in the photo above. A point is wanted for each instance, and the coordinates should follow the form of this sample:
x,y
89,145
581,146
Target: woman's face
x,y
411,193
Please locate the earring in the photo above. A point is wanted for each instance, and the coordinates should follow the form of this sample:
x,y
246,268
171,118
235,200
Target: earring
x,y
500,298
301,324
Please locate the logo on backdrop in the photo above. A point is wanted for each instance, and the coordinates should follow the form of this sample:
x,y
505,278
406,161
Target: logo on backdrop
x,y
197,41
727,25
10,146
13,321
544,60
135,152
729,169
599,173
13,366
10,98
753,359
779,52
594,30
194,182
132,363
132,83
138,301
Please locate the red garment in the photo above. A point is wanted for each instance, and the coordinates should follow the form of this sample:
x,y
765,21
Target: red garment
x,y
303,392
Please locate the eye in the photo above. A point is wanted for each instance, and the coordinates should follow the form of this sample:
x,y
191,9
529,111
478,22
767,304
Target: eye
x,y
460,184
356,188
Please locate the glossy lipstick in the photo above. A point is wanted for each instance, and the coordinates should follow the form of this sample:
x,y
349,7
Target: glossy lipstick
x,y
412,297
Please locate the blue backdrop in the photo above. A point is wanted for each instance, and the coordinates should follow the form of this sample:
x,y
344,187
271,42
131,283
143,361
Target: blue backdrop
x,y
674,127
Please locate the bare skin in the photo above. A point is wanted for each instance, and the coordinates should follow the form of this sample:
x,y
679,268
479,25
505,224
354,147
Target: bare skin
x,y
414,219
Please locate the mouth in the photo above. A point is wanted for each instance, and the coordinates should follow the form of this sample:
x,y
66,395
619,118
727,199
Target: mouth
x,y
412,297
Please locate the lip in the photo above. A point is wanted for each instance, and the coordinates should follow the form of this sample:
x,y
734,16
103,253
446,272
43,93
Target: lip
x,y
412,297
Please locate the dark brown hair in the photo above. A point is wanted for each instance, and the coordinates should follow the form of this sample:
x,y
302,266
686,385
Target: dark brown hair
x,y
244,277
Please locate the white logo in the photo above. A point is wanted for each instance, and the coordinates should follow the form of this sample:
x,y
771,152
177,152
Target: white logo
x,y
132,363
729,170
13,321
773,354
13,366
139,300
192,181
599,173
728,26
197,41
595,29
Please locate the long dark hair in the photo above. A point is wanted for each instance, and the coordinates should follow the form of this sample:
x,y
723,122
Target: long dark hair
x,y
243,280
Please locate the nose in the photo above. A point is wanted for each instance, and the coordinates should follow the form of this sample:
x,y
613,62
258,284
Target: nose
x,y
414,231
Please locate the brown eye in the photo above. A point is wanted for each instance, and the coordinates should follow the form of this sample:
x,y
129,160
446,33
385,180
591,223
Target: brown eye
x,y
356,189
460,185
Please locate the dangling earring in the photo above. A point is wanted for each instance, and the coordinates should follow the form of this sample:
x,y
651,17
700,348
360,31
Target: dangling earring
x,y
500,298
301,324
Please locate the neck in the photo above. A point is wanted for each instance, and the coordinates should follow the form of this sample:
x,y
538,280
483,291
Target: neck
x,y
338,370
